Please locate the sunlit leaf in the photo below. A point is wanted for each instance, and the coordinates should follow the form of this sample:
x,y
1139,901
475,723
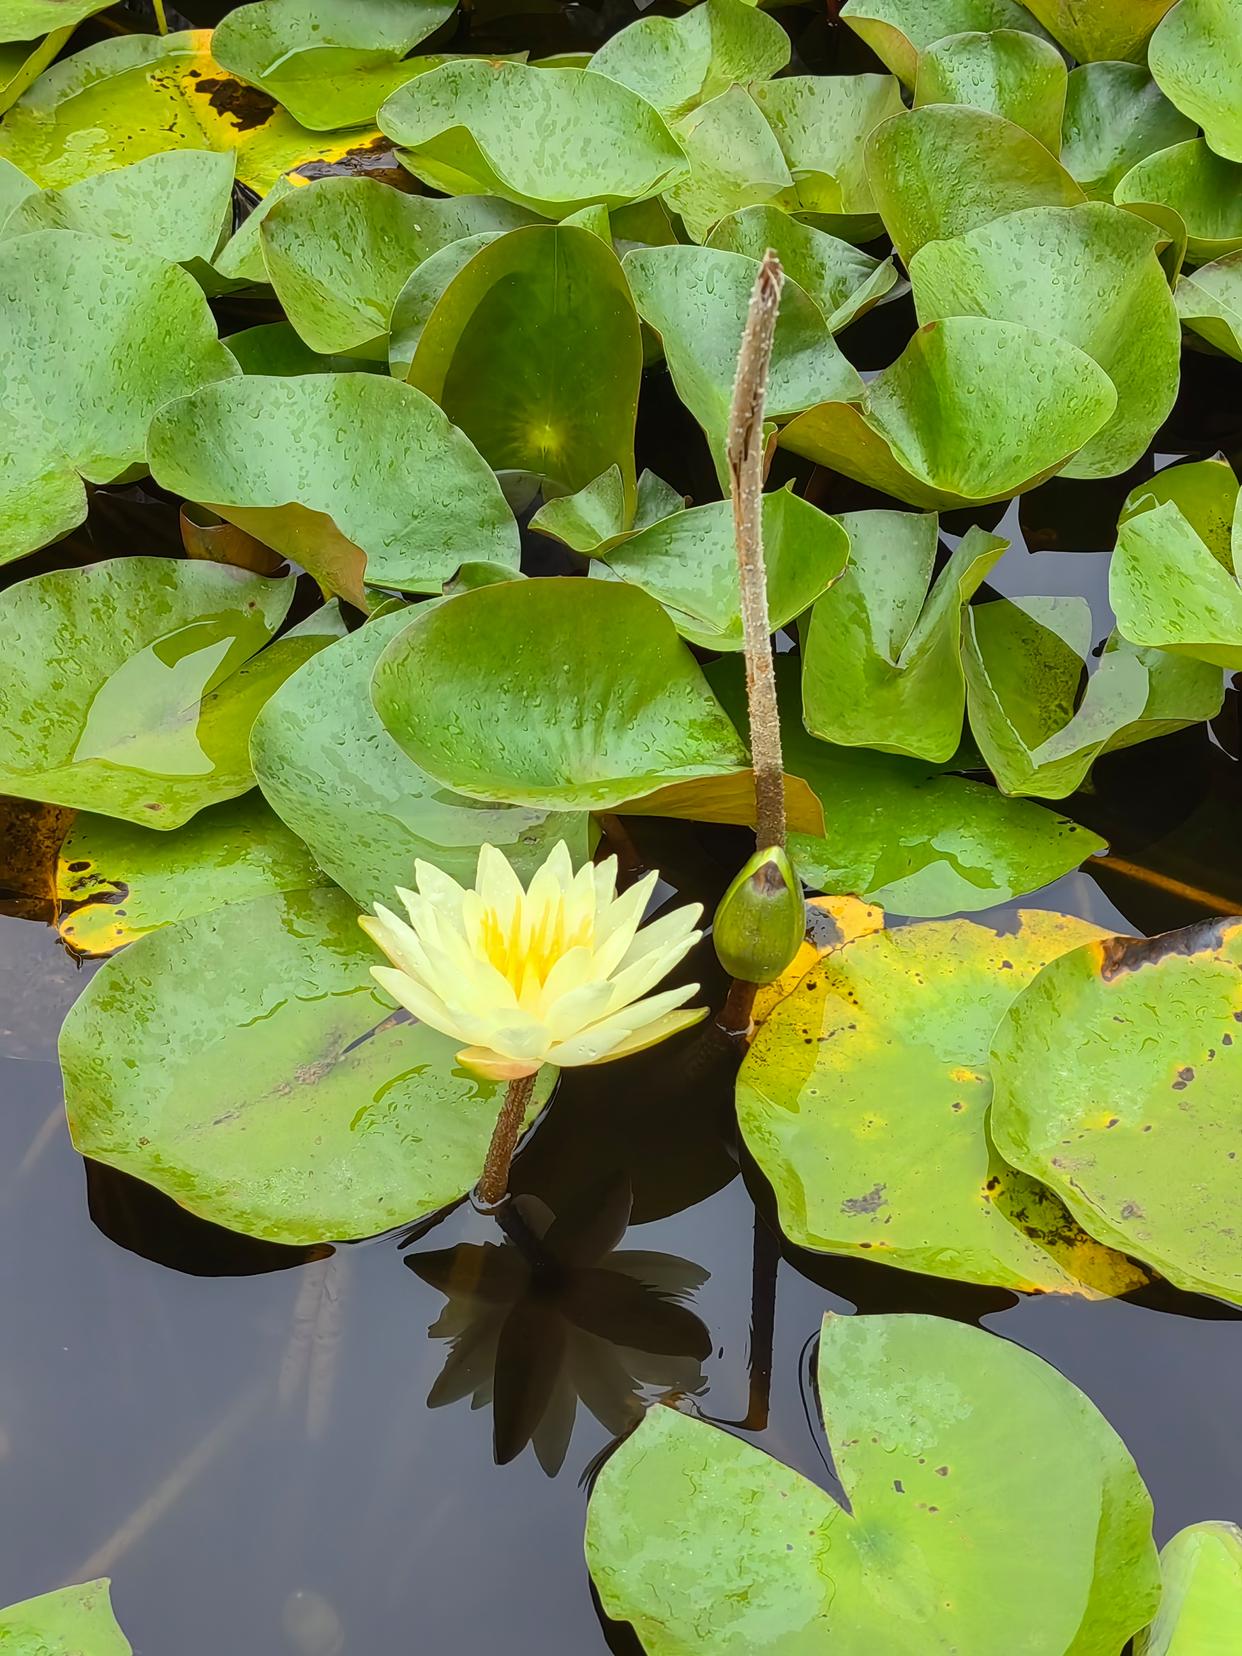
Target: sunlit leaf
x,y
831,923
1200,1610
1094,29
1196,60
1005,71
74,1621
1115,116
596,519
1204,190
1209,302
898,31
678,62
355,476
329,768
1117,1076
735,162
965,1461
246,1064
843,281
559,693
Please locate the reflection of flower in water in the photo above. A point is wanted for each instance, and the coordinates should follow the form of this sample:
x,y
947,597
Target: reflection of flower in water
x,y
554,1314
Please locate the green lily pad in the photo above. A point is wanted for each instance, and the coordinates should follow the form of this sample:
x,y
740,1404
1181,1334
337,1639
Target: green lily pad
x,y
973,410
94,337
357,477
864,1100
677,63
553,140
1204,190
75,1621
1200,1610
1094,29
899,31
136,95
1206,493
1117,1075
1196,60
331,63
1089,274
1115,116
14,188
147,718
241,258
246,1064
735,162
596,519
535,351
902,834
942,170
558,694
1005,71
696,299
842,280
32,33
116,882
822,123
881,655
274,348
689,564
964,1460
422,292
1209,303
339,252
333,773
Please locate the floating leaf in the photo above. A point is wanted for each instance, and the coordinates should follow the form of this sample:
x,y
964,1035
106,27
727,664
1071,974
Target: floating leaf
x,y
75,1621
688,563
332,772
945,169
964,1461
115,882
1004,71
241,258
898,31
14,188
1204,190
972,410
273,348
79,390
843,281
1117,1078
696,299
128,687
1196,60
595,519
535,351
422,292
553,140
831,923
1094,29
900,833
339,252
245,1063
1209,302
735,161
331,63
136,95
355,476
864,1101
881,656
677,63
1089,274
1115,116
1200,1610
559,694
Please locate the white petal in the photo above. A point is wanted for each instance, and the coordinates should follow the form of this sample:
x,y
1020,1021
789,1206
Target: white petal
x,y
398,941
597,1040
498,885
605,875
577,1009
633,981
649,1034
441,888
571,971
419,1002
665,933
615,928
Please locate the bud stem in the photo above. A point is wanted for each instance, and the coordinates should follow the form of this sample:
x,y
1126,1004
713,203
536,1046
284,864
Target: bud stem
x,y
493,1187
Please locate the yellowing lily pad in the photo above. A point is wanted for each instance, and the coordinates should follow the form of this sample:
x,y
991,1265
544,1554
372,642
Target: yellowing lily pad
x,y
1006,71
74,1621
899,31
1117,1077
1200,1610
677,63
831,923
1196,60
1204,190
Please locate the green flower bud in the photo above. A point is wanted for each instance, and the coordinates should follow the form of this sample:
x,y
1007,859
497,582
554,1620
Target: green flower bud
x,y
761,920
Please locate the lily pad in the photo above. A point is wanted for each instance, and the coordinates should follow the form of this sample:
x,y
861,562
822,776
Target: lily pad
x,y
1209,302
146,716
94,337
14,188
280,1097
116,882
1117,1076
535,351
1088,274
558,694
688,563
332,772
1204,190
901,833
339,251
274,348
1006,71
136,95
864,1100
422,292
898,31
964,1461
1196,60
1200,1610
973,410
677,63
842,280
553,140
735,162
357,477
331,63
1115,116
1094,29
596,519
942,170
75,1621
696,299
881,655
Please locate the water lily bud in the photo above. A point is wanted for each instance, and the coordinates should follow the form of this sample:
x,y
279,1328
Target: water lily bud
x,y
761,920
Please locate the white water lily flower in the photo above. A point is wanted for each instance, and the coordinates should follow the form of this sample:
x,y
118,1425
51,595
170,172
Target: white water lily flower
x,y
553,974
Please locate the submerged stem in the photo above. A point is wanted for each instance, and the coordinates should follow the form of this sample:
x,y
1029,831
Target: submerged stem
x,y
493,1187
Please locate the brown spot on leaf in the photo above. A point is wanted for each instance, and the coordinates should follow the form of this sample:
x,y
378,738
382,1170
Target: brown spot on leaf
x,y
1131,954
1185,1076
246,106
870,1203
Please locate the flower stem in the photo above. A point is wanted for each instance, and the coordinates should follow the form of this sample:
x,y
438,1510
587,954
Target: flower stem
x,y
161,21
735,1016
493,1187
746,473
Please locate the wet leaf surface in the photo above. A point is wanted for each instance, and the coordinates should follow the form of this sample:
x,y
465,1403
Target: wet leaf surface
x,y
1115,116
1201,1608
822,126
1196,60
1101,29
842,280
677,63
69,1622
898,31
1201,188
1004,71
